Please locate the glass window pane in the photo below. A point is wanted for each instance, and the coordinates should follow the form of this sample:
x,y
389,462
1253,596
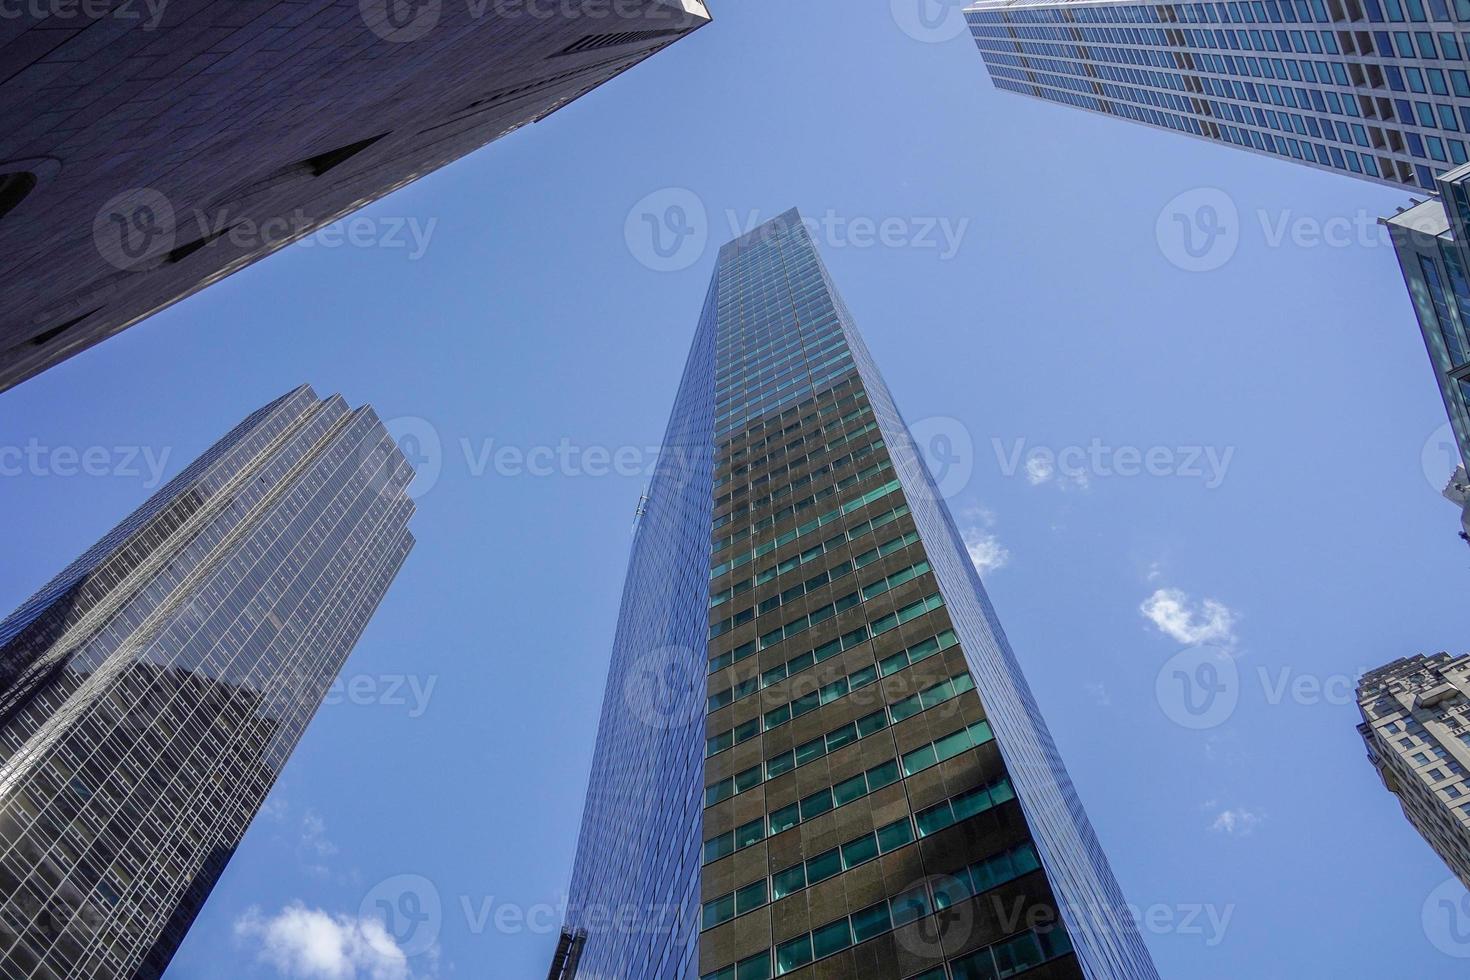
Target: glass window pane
x,y
918,760
752,896
750,833
858,851
823,866
784,762
783,883
880,776
757,967
836,740
785,818
875,722
870,922
934,819
816,804
720,910
911,905
895,835
850,789
794,954
814,749
952,745
831,939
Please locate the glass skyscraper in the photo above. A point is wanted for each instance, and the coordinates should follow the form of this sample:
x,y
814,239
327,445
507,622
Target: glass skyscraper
x,y
1432,239
1373,88
151,692
817,756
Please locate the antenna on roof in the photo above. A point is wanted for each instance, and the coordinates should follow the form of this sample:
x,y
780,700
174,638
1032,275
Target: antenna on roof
x,y
642,509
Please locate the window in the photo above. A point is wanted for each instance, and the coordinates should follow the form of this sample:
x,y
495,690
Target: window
x,y
831,939
794,954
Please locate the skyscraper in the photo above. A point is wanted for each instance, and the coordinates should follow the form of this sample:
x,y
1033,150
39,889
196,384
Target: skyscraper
x,y
1372,88
148,150
152,691
1433,246
1416,725
816,746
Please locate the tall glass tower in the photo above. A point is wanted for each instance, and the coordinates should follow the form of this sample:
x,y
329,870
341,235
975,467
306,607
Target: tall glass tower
x,y
817,755
151,692
1373,88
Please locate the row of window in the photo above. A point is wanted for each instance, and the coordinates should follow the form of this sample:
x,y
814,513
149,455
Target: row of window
x,y
818,581
814,345
1007,958
801,661
840,366
792,509
785,489
836,542
976,879
738,357
790,421
1254,12
838,737
930,820
780,452
800,531
946,748
1003,959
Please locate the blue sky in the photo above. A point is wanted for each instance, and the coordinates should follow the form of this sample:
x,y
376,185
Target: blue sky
x,y
1064,334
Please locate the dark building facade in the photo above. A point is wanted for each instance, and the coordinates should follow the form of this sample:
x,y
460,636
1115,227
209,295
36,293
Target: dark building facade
x,y
817,755
151,692
151,147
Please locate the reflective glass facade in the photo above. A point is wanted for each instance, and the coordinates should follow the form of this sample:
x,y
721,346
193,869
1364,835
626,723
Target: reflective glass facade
x,y
152,691
817,755
1373,88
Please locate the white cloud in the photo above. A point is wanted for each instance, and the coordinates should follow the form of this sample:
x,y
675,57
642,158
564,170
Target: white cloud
x,y
1177,616
314,835
986,552
1238,822
309,944
1099,693
1039,469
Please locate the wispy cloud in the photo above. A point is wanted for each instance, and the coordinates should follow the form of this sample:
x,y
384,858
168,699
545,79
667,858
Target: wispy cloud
x,y
1238,822
1178,616
309,944
1042,468
986,551
1098,691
